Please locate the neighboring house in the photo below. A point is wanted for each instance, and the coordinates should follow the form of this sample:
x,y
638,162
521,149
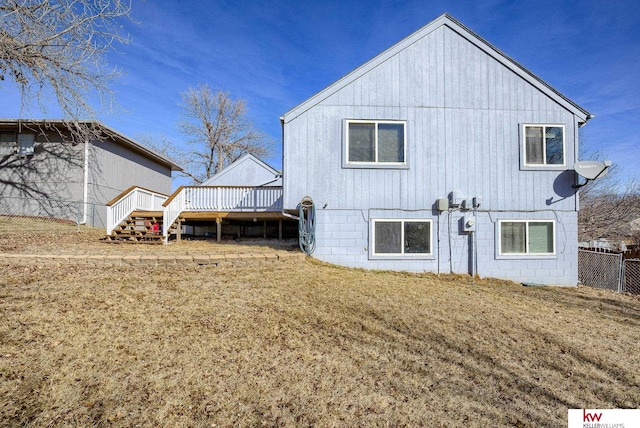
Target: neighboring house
x,y
45,171
247,170
441,154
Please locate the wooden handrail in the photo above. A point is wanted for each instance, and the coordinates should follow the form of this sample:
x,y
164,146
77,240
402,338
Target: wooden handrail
x,y
125,192
174,194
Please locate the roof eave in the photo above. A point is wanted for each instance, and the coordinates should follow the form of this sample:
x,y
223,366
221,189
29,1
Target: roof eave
x,y
120,138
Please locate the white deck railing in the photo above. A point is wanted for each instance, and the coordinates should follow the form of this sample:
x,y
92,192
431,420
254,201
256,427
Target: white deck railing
x,y
223,199
135,199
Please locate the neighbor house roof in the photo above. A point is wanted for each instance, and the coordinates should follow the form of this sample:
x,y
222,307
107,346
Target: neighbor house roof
x,y
459,28
108,131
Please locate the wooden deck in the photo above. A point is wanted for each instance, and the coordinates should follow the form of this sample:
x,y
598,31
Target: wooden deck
x,y
130,215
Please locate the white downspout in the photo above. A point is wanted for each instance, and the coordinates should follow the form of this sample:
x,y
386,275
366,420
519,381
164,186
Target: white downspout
x,y
85,190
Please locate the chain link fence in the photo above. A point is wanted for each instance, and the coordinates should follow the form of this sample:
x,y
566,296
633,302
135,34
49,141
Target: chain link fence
x,y
631,283
609,270
600,270
19,214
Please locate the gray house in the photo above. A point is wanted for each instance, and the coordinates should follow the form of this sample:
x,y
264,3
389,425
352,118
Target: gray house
x,y
49,169
441,154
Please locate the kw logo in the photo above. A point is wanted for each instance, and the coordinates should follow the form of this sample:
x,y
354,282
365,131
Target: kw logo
x,y
590,417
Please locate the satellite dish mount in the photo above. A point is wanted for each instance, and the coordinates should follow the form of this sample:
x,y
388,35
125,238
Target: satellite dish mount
x,y
591,170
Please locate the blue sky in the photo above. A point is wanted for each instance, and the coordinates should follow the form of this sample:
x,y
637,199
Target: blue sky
x,y
275,54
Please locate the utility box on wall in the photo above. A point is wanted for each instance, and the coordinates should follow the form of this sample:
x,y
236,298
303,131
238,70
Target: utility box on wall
x,y
456,198
468,223
442,204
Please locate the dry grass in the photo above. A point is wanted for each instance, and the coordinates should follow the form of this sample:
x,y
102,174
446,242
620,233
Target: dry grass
x,y
305,344
48,237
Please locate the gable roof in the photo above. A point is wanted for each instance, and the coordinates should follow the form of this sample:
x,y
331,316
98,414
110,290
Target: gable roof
x,y
98,126
245,161
466,33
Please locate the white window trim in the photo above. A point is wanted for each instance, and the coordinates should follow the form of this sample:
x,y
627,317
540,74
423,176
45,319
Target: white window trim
x,y
523,147
402,254
526,254
375,164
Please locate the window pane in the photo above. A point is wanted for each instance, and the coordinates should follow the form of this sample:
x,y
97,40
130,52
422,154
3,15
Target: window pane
x,y
7,137
390,142
553,137
417,237
541,237
361,147
533,142
25,142
512,237
387,237
7,143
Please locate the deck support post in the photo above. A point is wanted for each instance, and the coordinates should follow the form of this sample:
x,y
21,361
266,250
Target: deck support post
x,y
264,232
218,229
280,230
179,232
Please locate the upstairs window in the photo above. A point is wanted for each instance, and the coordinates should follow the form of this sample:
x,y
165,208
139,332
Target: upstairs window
x,y
527,237
375,142
543,145
12,143
8,145
25,144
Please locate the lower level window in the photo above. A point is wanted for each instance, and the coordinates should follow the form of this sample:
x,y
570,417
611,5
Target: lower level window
x,y
527,237
401,237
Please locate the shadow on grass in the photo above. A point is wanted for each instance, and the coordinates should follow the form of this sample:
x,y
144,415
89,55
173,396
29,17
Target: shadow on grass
x,y
481,372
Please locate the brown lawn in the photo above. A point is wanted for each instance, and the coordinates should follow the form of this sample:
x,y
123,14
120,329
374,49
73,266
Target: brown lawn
x,y
299,344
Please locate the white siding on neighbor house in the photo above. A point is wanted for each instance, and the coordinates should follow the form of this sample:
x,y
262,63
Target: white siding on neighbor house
x,y
246,171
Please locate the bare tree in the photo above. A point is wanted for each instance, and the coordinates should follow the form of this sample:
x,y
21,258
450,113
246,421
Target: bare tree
x,y
57,47
218,132
609,206
609,212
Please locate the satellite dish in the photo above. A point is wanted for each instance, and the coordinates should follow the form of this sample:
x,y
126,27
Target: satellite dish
x,y
591,170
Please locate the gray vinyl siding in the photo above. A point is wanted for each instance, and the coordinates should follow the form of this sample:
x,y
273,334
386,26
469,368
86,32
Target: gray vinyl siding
x,y
463,111
51,182
114,168
54,171
342,237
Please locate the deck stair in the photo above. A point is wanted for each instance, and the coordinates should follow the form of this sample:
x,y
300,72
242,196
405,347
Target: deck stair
x,y
139,227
